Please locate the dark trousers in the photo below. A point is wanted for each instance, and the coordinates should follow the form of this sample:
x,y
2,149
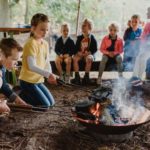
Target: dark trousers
x,y
36,94
105,59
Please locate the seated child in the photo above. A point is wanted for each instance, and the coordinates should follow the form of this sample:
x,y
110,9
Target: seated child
x,y
132,43
86,46
64,49
36,65
9,55
111,47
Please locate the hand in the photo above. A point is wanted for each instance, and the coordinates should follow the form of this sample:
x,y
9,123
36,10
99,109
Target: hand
x,y
66,56
86,53
3,107
111,54
80,54
52,79
61,56
19,101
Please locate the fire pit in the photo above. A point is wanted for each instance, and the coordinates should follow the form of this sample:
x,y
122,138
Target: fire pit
x,y
88,120
103,120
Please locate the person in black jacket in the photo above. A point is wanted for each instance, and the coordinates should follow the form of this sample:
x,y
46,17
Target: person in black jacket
x,y
86,46
9,55
64,49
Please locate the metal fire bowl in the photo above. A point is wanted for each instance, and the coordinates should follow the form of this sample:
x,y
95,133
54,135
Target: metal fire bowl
x,y
116,129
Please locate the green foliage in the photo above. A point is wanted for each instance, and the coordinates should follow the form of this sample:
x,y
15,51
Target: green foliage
x,y
13,2
100,11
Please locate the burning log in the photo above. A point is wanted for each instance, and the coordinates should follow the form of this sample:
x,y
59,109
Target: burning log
x,y
90,111
99,113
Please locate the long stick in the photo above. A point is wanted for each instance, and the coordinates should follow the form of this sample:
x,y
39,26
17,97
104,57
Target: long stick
x,y
73,85
26,108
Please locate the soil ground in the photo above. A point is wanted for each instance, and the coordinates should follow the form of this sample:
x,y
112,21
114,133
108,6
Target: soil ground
x,y
57,130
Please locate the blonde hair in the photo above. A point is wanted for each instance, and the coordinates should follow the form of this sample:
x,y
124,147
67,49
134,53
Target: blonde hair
x,y
114,25
65,25
89,22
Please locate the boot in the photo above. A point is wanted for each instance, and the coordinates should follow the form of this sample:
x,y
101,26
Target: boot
x,y
99,81
86,79
77,79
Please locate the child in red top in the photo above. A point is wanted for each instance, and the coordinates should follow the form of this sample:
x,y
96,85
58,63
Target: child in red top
x,y
111,47
85,48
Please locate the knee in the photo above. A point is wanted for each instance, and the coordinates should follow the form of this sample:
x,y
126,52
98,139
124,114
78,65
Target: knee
x,y
119,59
75,59
68,61
58,60
53,102
89,59
47,104
104,59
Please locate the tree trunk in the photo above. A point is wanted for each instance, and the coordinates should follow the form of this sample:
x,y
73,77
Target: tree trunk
x,y
78,17
4,13
26,17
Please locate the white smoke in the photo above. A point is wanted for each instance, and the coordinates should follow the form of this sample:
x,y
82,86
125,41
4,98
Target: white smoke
x,y
142,57
128,105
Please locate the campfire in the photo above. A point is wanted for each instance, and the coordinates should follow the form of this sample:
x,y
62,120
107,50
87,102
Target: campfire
x,y
100,112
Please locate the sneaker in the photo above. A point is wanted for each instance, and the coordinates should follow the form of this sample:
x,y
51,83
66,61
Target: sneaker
x,y
135,81
99,81
76,80
61,77
67,79
140,83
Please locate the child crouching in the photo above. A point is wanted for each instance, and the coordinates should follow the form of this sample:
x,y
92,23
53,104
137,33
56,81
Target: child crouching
x,y
9,55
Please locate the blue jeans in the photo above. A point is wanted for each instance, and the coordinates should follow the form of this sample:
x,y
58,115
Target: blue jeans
x,y
36,94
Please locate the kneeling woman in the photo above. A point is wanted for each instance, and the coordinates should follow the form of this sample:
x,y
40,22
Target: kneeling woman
x,y
35,65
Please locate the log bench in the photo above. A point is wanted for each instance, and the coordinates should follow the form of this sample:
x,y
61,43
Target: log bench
x,y
95,66
110,66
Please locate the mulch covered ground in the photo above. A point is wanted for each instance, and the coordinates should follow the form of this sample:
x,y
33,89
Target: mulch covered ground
x,y
57,130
